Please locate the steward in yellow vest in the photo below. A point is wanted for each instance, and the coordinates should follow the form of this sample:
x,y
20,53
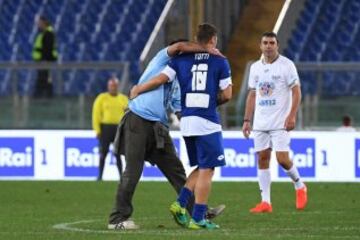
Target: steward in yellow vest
x,y
44,49
45,43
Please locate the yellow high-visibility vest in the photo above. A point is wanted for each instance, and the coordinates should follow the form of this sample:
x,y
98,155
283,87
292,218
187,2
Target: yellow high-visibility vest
x,y
38,45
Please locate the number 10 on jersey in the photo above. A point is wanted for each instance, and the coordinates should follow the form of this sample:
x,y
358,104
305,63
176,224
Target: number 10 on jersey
x,y
199,77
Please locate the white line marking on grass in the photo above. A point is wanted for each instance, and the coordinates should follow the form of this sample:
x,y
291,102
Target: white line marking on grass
x,y
252,232
185,232
68,226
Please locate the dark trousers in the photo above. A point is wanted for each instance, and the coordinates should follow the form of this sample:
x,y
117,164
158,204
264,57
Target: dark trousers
x,y
43,87
139,144
107,136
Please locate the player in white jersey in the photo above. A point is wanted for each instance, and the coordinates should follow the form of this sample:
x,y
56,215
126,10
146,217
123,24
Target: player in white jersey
x,y
274,95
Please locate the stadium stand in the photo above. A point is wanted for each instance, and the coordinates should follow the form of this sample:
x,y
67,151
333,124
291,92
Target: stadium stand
x,y
328,31
87,30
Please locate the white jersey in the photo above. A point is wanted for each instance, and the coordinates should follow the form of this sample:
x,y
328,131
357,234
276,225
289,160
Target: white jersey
x,y
346,129
273,83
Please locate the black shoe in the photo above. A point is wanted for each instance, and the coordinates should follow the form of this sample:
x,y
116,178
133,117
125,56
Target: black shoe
x,y
214,212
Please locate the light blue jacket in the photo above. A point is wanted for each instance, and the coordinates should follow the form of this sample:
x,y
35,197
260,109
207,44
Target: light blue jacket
x,y
153,105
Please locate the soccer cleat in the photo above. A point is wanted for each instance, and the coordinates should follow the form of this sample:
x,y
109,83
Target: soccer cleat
x,y
179,214
214,212
262,207
301,198
203,224
124,225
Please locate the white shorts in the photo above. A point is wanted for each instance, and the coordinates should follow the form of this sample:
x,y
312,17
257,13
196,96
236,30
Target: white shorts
x,y
278,140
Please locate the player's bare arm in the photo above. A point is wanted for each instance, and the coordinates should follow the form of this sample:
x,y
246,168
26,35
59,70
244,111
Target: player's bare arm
x,y
155,82
290,121
176,48
224,95
249,111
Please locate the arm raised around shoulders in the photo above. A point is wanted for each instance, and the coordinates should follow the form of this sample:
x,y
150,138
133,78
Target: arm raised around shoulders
x,y
190,47
153,83
176,48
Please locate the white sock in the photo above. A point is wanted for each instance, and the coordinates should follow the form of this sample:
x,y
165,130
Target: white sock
x,y
264,184
293,173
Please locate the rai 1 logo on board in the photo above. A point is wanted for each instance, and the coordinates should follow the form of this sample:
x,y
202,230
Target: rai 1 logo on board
x,y
81,157
16,157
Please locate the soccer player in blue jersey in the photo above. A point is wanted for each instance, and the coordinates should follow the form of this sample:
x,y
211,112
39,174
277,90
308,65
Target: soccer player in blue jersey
x,y
205,83
143,135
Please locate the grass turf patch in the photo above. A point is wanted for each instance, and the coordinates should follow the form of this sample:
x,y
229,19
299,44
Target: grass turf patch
x,y
79,210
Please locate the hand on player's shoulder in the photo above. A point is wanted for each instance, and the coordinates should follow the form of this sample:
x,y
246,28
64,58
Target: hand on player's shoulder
x,y
216,52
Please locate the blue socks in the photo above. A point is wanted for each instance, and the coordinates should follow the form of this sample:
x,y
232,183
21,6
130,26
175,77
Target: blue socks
x,y
184,196
199,212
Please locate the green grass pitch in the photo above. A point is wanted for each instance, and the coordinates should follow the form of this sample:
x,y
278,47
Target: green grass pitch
x,y
79,210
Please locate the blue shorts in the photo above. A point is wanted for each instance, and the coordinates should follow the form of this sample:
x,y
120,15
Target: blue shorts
x,y
205,151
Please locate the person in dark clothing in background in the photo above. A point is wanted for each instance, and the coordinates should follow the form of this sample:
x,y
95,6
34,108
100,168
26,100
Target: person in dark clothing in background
x,y
44,49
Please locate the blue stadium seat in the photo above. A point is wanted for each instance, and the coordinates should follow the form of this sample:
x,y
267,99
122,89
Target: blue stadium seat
x,y
309,82
328,31
87,30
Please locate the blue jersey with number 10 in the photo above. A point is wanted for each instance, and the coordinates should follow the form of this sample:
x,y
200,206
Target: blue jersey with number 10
x,y
200,76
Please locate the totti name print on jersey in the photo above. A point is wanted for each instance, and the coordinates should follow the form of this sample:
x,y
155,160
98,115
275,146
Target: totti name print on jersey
x,y
202,56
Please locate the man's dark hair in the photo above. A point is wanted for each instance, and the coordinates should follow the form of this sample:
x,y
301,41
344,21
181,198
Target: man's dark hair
x,y
178,40
205,32
269,34
44,19
346,120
